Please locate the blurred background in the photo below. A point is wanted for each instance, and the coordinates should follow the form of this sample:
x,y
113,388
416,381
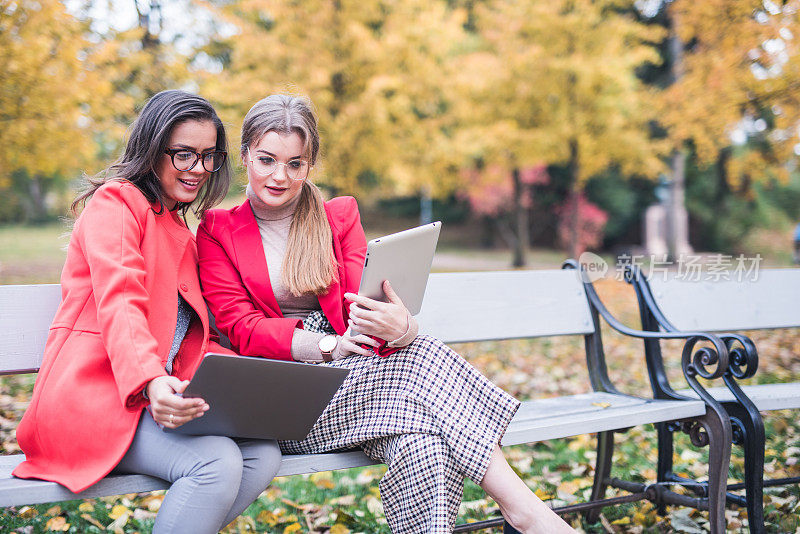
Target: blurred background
x,y
534,129
620,127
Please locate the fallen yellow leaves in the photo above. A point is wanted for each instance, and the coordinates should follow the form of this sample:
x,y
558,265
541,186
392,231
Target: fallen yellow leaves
x,y
118,510
57,524
27,512
86,507
268,517
93,521
55,510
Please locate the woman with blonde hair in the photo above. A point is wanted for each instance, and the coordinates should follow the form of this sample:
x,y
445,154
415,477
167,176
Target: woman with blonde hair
x,y
280,273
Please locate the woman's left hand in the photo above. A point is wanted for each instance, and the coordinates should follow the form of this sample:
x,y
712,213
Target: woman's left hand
x,y
386,320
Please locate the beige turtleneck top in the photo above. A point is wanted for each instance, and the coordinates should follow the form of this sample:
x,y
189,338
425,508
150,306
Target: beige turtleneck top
x,y
273,225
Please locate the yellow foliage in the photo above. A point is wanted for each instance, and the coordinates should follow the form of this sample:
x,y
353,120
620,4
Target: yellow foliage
x,y
118,510
739,67
92,520
294,527
86,507
323,480
556,83
266,516
27,512
46,89
55,510
338,528
57,524
376,72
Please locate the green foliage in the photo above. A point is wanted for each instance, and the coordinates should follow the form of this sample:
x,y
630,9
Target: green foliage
x,y
724,219
624,200
448,210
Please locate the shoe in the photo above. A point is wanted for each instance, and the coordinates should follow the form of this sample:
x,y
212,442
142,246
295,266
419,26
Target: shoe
x,y
508,529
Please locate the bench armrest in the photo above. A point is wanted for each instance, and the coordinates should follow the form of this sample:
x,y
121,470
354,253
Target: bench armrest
x,y
742,350
707,362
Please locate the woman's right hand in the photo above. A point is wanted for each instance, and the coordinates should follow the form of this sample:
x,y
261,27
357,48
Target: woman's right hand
x,y
169,409
352,345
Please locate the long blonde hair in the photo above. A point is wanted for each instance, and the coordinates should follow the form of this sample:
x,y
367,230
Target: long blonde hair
x,y
309,265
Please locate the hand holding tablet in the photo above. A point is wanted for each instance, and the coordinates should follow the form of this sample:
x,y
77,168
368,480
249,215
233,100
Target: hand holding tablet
x,y
404,260
386,320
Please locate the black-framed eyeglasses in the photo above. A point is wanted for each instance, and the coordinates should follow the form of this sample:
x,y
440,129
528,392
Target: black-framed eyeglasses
x,y
184,159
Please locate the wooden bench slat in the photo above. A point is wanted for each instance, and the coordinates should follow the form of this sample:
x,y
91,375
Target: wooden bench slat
x,y
561,417
504,305
766,397
25,316
768,300
15,491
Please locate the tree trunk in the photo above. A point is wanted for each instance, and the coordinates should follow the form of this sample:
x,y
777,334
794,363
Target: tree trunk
x,y
574,215
425,205
520,222
723,188
37,211
677,224
677,229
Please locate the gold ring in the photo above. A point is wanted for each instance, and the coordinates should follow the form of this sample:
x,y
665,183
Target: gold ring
x,y
172,418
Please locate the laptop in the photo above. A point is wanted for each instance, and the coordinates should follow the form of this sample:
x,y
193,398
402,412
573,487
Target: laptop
x,y
259,398
405,260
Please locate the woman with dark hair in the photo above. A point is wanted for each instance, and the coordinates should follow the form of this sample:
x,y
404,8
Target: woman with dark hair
x,y
280,273
133,326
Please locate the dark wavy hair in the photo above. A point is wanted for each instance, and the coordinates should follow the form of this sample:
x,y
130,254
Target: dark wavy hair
x,y
147,140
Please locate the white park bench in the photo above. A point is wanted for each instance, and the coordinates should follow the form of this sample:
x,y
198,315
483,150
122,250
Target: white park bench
x,y
458,307
727,302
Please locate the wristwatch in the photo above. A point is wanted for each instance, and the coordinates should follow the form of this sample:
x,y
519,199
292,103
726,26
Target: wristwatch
x,y
326,346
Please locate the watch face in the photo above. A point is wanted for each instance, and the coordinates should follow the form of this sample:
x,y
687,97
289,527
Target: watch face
x,y
327,343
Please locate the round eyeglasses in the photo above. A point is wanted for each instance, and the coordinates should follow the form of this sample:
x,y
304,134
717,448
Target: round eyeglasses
x,y
265,165
184,159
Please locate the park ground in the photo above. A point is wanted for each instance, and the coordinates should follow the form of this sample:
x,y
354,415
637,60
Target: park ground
x,y
560,470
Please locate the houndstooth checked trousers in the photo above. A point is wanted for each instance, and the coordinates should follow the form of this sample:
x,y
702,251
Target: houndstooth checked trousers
x,y
426,413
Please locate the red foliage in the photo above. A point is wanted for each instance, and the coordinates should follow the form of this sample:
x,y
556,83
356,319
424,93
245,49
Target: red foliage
x,y
536,175
590,223
490,190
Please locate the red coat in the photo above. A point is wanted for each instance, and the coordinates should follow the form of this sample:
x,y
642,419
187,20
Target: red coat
x,y
236,284
111,335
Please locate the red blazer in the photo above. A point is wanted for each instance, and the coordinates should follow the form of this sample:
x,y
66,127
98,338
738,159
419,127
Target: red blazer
x,y
236,284
111,335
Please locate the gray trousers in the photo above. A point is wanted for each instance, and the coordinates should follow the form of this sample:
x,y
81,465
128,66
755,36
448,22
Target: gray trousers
x,y
214,478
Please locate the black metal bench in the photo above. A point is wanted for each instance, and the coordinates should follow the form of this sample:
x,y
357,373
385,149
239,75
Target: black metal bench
x,y
458,307
769,299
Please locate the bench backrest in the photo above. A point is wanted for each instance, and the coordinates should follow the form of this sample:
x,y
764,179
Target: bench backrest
x,y
472,306
25,316
479,306
769,298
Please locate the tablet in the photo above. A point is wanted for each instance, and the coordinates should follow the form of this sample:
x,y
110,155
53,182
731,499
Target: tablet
x,y
405,260
259,398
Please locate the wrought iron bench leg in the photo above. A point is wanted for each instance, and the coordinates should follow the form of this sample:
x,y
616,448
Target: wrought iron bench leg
x,y
718,429
665,452
750,429
602,471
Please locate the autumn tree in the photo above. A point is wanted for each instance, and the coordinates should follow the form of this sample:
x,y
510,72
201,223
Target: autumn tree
x,y
47,91
733,74
376,72
556,83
